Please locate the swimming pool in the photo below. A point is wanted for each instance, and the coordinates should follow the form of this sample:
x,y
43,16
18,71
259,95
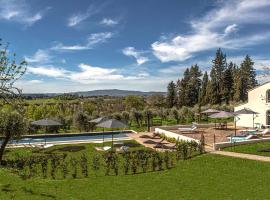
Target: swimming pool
x,y
71,138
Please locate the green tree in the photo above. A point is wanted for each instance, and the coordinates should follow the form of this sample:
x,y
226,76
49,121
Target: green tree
x,y
227,87
203,95
81,121
182,89
10,72
218,67
171,94
133,101
12,126
248,76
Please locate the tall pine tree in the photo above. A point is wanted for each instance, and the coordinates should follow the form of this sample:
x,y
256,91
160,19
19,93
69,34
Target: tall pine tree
x,y
217,83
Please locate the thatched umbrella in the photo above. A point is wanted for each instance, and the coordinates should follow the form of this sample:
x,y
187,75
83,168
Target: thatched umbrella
x,y
112,123
46,123
246,111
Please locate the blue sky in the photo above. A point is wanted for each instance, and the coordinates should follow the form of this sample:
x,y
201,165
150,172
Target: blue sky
x,y
127,44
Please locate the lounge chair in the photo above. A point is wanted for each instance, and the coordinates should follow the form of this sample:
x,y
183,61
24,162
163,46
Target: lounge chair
x,y
191,130
106,148
124,148
264,132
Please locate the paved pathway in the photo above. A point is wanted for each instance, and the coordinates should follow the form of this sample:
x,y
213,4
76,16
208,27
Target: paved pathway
x,y
242,155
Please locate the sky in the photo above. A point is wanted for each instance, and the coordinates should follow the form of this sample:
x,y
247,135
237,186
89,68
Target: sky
x,y
125,44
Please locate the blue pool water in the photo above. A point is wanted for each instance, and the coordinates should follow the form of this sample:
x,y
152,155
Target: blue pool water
x,y
237,138
70,138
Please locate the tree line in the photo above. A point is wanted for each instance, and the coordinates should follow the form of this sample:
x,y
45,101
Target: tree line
x,y
227,82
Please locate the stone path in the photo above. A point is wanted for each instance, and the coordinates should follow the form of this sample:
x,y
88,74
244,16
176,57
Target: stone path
x,y
242,155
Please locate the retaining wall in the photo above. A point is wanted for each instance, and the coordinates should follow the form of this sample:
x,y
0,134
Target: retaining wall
x,y
175,127
175,135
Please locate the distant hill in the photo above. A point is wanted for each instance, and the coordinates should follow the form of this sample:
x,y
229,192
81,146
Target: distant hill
x,y
112,92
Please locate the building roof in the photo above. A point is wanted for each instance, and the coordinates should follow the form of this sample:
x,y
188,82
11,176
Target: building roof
x,y
259,86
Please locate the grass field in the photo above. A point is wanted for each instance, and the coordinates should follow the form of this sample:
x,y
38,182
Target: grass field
x,y
202,177
251,148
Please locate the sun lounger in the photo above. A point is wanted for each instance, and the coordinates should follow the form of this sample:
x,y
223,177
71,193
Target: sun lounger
x,y
106,148
265,131
124,148
192,129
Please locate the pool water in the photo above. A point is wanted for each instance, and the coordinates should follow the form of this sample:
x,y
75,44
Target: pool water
x,y
71,138
237,138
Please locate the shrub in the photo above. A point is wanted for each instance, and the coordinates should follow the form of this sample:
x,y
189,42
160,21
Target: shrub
x,y
84,165
96,163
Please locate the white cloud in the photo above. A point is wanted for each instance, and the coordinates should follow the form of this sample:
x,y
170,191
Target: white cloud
x,y
41,56
77,18
92,40
230,29
108,22
132,52
19,11
35,81
49,71
213,31
85,74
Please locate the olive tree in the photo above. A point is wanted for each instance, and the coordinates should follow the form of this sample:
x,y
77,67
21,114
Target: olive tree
x,y
11,122
12,126
10,72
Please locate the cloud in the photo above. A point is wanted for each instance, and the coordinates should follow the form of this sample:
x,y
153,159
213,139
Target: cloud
x,y
92,40
19,11
35,81
132,52
41,56
214,30
85,73
230,29
108,22
49,71
78,18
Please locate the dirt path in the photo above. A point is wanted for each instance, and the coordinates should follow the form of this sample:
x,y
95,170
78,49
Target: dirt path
x,y
242,155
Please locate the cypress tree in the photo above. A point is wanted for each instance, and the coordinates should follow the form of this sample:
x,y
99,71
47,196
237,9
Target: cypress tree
x,y
227,83
203,97
171,94
182,89
218,67
193,86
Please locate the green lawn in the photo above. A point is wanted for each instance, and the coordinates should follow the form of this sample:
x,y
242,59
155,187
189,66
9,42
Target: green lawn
x,y
202,177
251,148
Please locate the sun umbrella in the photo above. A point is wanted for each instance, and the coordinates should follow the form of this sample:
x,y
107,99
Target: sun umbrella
x,y
112,123
210,111
246,111
221,115
99,120
46,123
